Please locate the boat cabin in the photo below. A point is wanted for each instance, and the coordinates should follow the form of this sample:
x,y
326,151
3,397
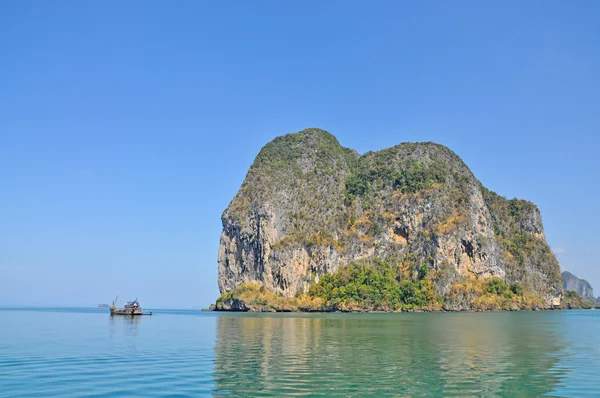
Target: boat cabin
x,y
130,308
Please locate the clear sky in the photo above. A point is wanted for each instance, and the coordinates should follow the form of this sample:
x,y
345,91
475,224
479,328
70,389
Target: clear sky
x,y
127,127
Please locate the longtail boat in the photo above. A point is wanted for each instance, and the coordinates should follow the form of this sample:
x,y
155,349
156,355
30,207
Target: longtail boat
x,y
131,308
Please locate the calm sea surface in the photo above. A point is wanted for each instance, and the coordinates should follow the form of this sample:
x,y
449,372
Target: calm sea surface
x,y
85,352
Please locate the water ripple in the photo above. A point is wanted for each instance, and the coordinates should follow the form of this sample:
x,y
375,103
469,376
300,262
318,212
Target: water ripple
x,y
188,354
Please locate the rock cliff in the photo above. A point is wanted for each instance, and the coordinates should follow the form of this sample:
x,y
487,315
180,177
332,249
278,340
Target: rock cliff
x,y
579,286
309,206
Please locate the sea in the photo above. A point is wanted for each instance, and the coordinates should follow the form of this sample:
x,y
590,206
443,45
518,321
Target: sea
x,y
84,352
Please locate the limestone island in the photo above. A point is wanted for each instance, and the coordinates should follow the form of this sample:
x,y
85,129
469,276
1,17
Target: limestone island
x,y
318,227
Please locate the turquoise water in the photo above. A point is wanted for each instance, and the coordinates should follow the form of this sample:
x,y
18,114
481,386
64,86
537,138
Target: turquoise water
x,y
85,352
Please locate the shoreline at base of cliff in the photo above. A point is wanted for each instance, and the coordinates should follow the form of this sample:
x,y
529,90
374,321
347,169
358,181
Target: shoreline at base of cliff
x,y
268,310
252,309
483,296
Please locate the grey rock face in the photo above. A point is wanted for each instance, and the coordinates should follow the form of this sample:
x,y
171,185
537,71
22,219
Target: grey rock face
x,y
579,286
308,206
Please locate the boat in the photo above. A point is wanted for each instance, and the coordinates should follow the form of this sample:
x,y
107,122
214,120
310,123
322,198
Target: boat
x,y
131,308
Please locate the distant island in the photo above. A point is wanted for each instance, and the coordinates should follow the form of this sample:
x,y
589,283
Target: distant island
x,y
581,287
318,227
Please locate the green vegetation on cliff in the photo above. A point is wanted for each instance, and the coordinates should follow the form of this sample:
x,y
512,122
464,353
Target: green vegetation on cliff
x,y
572,300
517,225
376,285
382,286
380,172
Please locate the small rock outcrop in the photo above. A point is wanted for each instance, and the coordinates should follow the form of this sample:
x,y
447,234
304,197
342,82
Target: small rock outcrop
x,y
579,286
309,206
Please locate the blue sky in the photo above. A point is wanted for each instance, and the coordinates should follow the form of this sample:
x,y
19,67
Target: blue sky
x,y
126,128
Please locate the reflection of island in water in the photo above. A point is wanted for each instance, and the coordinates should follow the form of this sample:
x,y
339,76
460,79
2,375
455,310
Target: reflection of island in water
x,y
509,354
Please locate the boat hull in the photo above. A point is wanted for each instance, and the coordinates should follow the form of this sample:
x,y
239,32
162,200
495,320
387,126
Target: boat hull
x,y
114,311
